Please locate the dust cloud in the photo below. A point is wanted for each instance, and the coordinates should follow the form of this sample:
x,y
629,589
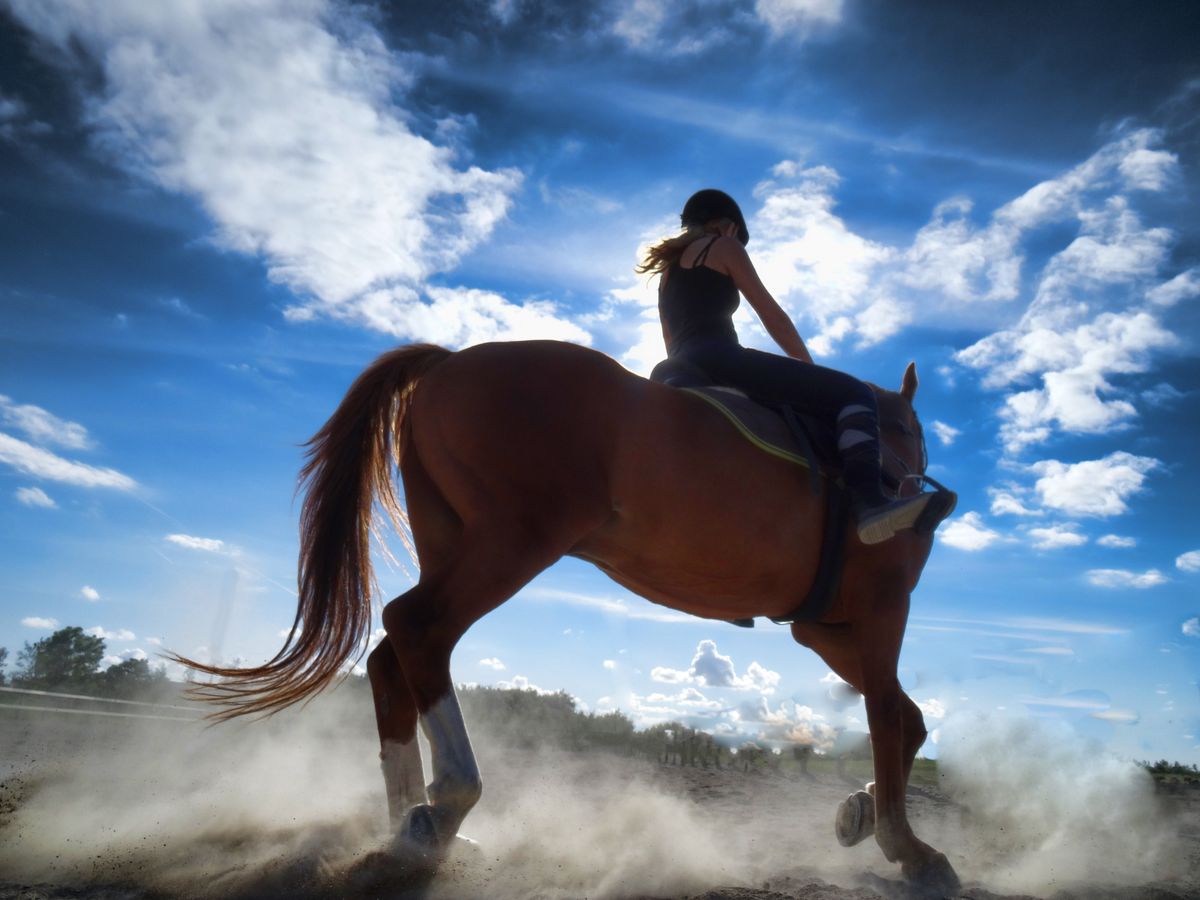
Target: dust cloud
x,y
294,805
1044,808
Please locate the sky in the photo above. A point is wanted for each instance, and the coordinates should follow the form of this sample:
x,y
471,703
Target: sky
x,y
214,214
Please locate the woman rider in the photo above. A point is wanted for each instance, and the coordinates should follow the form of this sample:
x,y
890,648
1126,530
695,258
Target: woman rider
x,y
703,270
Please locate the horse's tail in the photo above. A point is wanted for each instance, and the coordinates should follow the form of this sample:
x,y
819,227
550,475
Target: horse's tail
x,y
351,465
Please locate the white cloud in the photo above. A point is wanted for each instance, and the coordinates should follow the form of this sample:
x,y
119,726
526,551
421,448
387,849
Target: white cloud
x,y
790,723
1191,628
1188,562
1124,716
1123,578
817,265
121,634
33,496
609,664
932,708
1006,502
153,641
1051,651
115,659
710,668
521,683
43,427
1183,286
1055,537
968,532
1116,540
39,622
89,593
1081,330
1148,170
945,433
798,18
460,316
208,545
285,122
43,464
1097,487
493,663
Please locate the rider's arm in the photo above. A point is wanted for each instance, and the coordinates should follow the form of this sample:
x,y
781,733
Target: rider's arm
x,y
736,263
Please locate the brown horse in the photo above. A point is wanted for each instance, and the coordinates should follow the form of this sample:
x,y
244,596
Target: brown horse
x,y
514,455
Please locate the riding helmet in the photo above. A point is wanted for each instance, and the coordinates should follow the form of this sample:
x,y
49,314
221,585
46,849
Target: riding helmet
x,y
704,206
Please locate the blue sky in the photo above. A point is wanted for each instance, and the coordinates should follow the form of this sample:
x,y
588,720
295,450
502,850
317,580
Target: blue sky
x,y
213,215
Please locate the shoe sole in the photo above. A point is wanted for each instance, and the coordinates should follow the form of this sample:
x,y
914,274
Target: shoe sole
x,y
886,526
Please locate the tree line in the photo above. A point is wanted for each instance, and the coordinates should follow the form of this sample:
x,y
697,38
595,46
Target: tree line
x,y
69,661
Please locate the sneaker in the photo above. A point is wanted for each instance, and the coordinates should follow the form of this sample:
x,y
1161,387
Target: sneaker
x,y
879,523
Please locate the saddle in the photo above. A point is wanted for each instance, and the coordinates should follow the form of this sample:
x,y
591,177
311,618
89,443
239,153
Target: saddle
x,y
788,433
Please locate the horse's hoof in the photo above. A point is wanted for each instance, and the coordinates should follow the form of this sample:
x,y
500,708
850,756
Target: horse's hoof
x,y
933,879
855,821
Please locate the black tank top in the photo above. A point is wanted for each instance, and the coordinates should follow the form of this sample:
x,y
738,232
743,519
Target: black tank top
x,y
698,303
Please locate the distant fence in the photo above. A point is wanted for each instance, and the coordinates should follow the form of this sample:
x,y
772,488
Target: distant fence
x,y
85,698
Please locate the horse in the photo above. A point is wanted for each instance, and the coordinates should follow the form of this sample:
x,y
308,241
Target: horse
x,y
513,455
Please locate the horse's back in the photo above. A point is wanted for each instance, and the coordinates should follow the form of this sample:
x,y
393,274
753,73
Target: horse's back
x,y
653,485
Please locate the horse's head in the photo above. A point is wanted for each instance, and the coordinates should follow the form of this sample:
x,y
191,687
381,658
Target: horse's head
x,y
901,437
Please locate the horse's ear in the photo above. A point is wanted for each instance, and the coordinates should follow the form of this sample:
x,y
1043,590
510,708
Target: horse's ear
x,y
908,387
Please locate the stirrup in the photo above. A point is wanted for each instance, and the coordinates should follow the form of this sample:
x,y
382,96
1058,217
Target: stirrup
x,y
880,523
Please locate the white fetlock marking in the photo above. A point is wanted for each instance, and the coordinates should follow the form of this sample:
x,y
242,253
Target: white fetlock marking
x,y
402,777
456,781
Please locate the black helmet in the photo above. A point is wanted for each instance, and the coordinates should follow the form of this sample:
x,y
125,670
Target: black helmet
x,y
704,206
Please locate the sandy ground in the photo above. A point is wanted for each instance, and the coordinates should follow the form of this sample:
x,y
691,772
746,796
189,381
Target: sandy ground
x,y
95,808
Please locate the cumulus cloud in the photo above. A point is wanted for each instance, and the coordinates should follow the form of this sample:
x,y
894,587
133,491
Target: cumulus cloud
x,y
41,463
208,545
1191,628
284,122
789,723
521,683
1116,540
1188,562
1096,487
33,496
798,18
494,663
945,433
1055,537
1123,578
89,593
121,634
968,532
39,622
43,427
710,668
1080,330
816,264
609,664
688,27
1006,501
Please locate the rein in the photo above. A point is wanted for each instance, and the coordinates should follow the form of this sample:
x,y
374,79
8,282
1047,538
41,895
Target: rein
x,y
895,482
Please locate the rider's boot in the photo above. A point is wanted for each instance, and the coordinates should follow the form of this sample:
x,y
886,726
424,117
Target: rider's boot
x,y
877,517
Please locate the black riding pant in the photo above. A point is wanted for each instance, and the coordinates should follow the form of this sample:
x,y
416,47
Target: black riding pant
x,y
844,400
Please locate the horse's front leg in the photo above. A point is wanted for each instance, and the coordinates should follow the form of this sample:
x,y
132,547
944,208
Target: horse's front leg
x,y
894,731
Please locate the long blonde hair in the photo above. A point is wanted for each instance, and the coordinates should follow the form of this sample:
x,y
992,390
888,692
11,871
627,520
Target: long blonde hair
x,y
666,252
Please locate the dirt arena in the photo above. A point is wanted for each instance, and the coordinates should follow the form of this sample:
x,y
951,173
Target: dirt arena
x,y
94,807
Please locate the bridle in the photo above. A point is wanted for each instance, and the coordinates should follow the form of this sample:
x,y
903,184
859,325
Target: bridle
x,y
893,480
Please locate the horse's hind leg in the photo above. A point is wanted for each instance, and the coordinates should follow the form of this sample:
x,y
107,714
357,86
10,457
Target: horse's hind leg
x,y
396,717
423,626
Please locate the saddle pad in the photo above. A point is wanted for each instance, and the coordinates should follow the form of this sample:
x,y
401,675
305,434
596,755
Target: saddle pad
x,y
763,427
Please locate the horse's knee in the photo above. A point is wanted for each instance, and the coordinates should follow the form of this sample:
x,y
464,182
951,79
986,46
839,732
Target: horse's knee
x,y
915,731
381,664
